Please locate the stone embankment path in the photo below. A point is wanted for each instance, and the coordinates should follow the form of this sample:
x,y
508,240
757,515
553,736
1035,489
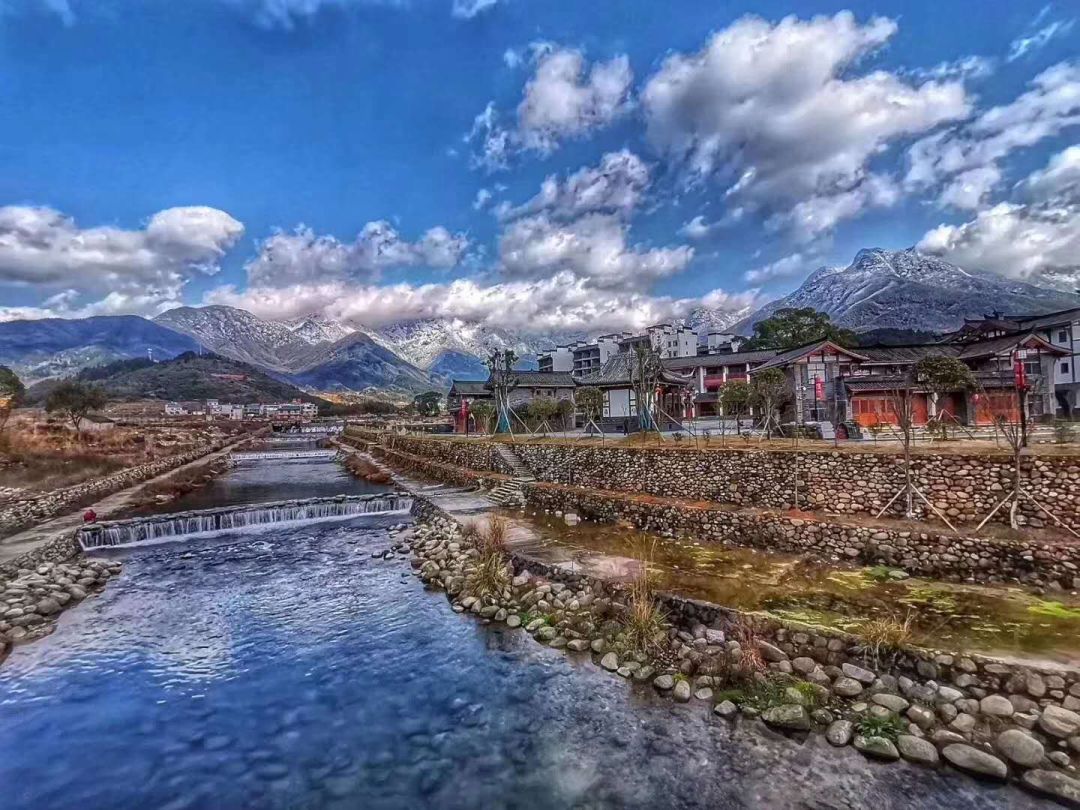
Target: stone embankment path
x,y
30,540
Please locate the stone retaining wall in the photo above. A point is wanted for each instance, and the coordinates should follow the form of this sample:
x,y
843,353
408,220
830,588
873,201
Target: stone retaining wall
x,y
25,513
929,554
965,488
790,646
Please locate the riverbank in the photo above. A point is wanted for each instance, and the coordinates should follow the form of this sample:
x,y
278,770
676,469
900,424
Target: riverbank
x,y
979,717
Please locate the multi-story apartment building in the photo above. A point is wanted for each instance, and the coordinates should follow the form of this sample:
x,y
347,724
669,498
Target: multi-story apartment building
x,y
558,360
673,341
589,357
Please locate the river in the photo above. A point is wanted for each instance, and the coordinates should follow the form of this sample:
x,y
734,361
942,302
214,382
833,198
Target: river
x,y
288,668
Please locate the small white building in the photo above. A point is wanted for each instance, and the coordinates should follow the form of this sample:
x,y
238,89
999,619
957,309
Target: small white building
x,y
673,341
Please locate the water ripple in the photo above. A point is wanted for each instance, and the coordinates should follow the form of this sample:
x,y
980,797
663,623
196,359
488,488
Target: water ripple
x,y
293,670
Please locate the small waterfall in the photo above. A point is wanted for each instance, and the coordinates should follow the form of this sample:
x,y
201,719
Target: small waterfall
x,y
206,522
282,455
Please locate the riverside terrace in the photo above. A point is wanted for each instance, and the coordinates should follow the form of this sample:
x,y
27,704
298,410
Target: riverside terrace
x,y
827,383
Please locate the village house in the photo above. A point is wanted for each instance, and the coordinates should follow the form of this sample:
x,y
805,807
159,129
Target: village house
x,y
620,408
1061,329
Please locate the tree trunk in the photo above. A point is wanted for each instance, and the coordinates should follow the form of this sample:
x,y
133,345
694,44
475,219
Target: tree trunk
x,y
1016,490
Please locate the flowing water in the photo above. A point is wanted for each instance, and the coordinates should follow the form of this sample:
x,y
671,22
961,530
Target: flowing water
x,y
289,668
1006,621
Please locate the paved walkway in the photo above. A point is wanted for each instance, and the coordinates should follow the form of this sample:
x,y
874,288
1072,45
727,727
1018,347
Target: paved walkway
x,y
18,544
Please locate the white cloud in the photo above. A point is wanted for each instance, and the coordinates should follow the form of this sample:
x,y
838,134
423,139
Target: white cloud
x,y
559,303
1034,243
482,198
1040,37
286,14
467,9
303,256
1059,182
965,162
819,214
966,67
60,8
144,269
785,267
615,186
779,109
594,247
564,99
696,228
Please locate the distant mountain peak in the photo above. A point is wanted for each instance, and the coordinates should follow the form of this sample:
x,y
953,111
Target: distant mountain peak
x,y
906,289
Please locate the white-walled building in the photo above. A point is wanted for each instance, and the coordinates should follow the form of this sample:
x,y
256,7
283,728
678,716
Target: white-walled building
x,y
673,341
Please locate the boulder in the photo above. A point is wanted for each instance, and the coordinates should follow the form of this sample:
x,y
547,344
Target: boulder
x,y
610,662
1019,747
787,716
894,703
877,747
996,706
1058,722
664,682
847,687
839,733
975,761
858,673
725,708
681,692
917,749
1052,783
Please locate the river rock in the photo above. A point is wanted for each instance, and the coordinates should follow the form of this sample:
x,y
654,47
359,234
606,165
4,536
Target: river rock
x,y
916,749
770,653
1019,747
1059,722
725,708
577,645
864,676
839,733
610,662
664,682
681,693
975,761
513,620
47,607
789,716
1052,783
893,703
877,747
847,687
996,706
920,716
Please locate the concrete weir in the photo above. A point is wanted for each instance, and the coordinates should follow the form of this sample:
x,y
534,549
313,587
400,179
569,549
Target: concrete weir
x,y
282,455
205,522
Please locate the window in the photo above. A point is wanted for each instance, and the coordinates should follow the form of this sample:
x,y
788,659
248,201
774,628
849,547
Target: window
x,y
633,402
1064,368
607,403
1063,336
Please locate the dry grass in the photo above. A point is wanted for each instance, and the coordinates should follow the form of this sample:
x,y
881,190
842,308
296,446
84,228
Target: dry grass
x,y
644,623
886,636
366,471
491,574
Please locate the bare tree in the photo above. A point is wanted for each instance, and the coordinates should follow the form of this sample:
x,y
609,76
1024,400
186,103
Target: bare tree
x,y
645,370
1009,418
902,402
769,391
503,380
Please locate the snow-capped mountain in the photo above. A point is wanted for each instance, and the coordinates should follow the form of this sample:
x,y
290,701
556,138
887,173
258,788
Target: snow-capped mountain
x,y
710,319
905,289
316,330
427,343
238,334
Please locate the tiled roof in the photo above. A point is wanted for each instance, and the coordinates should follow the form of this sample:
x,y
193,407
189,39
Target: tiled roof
x,y
717,360
1004,345
907,354
616,371
469,387
792,355
543,379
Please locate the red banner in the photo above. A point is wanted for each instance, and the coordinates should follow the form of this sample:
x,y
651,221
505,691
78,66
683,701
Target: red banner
x,y
819,388
1020,374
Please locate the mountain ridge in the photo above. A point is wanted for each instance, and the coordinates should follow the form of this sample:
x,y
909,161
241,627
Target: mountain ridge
x,y
906,289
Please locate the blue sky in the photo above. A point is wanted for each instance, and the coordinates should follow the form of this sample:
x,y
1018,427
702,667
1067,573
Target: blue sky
x,y
544,165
